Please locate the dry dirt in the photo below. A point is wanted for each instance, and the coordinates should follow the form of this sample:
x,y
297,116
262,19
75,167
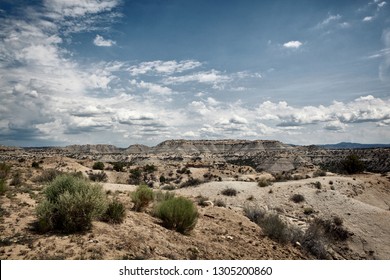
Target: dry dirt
x,y
361,201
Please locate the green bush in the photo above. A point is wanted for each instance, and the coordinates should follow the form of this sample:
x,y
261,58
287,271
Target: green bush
x,y
35,164
70,205
177,213
115,213
142,197
98,165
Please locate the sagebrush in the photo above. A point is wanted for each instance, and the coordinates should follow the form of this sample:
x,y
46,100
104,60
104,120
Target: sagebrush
x,y
177,213
70,205
142,197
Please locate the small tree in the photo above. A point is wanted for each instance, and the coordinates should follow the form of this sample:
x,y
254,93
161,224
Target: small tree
x,y
98,165
352,164
135,176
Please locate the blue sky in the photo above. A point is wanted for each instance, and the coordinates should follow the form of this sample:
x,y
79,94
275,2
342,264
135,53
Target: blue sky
x,y
123,72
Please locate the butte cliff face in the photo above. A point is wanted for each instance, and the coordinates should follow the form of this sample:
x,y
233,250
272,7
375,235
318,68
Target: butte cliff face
x,y
216,147
267,155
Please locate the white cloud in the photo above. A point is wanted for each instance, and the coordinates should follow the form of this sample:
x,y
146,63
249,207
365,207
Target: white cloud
x,y
330,19
206,77
292,44
368,18
163,67
77,8
382,4
101,42
152,87
360,110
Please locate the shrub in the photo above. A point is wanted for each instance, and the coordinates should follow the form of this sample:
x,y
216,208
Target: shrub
x,y
319,173
142,197
317,185
202,200
190,183
149,168
135,176
177,213
70,205
314,242
98,165
35,164
255,214
162,196
47,175
115,213
321,233
352,164
118,166
297,198
16,180
272,225
98,177
4,170
162,179
229,192
263,183
3,186
219,203
168,188
308,211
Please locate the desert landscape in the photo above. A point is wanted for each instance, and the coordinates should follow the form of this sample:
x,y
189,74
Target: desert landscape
x,y
254,200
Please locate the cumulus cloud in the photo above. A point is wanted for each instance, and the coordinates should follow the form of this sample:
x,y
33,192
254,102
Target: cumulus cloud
x,y
101,42
292,45
360,110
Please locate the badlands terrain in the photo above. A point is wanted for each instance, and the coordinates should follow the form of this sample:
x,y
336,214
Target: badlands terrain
x,y
351,211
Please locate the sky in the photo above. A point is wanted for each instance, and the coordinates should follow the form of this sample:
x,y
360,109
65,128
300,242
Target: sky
x,y
144,71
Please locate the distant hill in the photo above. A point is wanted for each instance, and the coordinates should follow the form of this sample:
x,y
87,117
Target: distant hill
x,y
348,145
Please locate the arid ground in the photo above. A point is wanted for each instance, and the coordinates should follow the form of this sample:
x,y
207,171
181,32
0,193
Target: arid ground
x,y
361,203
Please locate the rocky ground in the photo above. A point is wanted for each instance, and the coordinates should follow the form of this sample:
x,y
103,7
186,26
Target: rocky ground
x,y
360,201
